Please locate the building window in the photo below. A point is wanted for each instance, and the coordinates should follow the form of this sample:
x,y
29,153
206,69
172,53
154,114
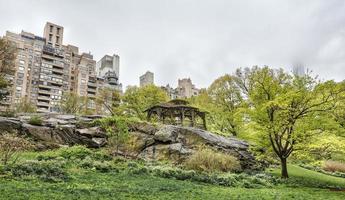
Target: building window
x,y
50,37
57,39
58,31
51,28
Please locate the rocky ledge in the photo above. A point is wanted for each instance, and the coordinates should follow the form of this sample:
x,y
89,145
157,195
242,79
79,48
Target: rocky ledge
x,y
148,141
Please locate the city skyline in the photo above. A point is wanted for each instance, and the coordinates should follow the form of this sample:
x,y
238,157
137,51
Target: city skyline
x,y
213,39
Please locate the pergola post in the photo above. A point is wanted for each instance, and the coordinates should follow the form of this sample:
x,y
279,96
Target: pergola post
x,y
192,117
204,121
182,116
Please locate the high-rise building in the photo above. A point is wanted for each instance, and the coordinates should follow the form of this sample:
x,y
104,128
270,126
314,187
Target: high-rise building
x,y
186,88
108,69
45,69
147,79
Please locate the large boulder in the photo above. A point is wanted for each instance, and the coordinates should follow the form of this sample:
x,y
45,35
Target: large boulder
x,y
178,143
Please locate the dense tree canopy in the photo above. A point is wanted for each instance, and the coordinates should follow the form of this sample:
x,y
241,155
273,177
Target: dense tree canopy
x,y
137,99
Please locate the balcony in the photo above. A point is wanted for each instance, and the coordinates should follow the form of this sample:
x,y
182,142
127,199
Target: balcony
x,y
49,50
57,70
45,98
43,104
46,92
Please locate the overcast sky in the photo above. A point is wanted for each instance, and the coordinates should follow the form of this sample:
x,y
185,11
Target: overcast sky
x,y
200,39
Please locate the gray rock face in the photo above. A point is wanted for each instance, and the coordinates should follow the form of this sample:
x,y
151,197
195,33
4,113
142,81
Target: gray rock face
x,y
177,143
147,141
56,129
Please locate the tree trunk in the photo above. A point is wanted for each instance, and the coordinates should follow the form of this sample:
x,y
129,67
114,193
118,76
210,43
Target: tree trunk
x,y
284,173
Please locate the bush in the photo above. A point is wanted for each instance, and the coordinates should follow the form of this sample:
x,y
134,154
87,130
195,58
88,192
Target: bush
x,y
210,161
74,152
35,120
227,179
116,129
46,170
10,146
334,166
8,113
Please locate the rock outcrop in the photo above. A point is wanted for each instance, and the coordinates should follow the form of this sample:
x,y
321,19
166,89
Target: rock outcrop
x,y
148,141
175,142
56,129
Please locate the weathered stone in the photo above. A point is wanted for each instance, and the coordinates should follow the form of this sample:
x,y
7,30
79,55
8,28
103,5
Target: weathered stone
x,y
9,124
38,132
143,127
175,152
66,117
166,134
53,122
139,141
91,132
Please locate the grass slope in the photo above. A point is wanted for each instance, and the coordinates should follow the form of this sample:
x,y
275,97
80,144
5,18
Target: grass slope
x,y
95,185
305,177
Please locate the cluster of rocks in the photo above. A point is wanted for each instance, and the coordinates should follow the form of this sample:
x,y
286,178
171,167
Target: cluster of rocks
x,y
148,141
57,129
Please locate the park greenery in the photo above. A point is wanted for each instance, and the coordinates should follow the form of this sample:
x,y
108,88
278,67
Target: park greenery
x,y
294,122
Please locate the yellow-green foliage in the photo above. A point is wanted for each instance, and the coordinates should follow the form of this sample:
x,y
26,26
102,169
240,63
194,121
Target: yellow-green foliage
x,y
35,120
321,147
211,161
136,100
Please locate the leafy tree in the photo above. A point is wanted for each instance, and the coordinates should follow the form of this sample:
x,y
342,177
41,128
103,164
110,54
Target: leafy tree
x,y
71,103
108,99
116,129
226,97
280,103
136,100
7,59
25,106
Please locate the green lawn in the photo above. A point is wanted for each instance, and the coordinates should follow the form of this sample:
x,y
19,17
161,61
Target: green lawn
x,y
305,177
91,183
96,185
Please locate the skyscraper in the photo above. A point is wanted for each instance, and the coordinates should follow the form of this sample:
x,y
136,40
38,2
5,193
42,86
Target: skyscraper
x,y
108,69
147,79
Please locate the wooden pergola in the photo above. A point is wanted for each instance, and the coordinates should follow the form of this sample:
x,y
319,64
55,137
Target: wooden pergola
x,y
177,112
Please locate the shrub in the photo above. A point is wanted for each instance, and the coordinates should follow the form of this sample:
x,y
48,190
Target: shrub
x,y
334,166
10,146
8,113
225,179
210,161
35,120
74,152
45,170
116,129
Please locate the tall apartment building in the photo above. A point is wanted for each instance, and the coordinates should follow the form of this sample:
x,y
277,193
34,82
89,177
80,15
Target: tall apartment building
x,y
147,79
108,69
45,69
185,89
